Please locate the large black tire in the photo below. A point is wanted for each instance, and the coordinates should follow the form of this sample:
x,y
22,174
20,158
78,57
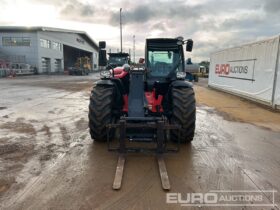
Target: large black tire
x,y
100,112
184,114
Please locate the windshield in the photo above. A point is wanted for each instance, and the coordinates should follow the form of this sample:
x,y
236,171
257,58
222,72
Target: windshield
x,y
118,60
161,63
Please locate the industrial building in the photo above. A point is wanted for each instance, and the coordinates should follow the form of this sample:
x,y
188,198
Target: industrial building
x,y
49,50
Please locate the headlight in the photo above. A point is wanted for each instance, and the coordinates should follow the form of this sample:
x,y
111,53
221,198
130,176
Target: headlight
x,y
181,75
106,74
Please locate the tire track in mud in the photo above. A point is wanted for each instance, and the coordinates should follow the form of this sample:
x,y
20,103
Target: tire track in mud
x,y
34,184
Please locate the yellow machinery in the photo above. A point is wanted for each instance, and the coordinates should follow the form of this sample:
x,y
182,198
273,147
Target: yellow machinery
x,y
83,63
82,66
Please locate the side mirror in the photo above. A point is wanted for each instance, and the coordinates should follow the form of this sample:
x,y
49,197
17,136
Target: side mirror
x,y
102,60
189,45
102,45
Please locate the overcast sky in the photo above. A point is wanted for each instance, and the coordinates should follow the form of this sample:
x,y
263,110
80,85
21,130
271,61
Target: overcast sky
x,y
212,24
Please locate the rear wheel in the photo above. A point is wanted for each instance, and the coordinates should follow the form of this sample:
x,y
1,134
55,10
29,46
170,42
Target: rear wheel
x,y
100,112
183,114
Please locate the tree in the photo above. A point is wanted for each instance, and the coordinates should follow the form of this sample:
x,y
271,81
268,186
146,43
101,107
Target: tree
x,y
204,63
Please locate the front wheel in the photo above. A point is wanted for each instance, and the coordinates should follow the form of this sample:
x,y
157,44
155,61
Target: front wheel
x,y
183,114
100,112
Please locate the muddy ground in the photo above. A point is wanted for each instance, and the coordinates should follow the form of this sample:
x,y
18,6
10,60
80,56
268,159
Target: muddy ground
x,y
237,109
48,161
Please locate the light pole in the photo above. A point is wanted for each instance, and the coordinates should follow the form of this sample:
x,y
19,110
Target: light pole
x,y
134,49
121,27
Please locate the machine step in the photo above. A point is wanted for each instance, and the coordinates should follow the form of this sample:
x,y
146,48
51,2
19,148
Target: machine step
x,y
139,139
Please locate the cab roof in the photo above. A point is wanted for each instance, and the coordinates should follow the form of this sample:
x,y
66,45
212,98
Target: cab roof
x,y
162,44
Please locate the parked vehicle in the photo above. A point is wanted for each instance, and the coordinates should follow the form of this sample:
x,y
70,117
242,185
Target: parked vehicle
x,y
118,59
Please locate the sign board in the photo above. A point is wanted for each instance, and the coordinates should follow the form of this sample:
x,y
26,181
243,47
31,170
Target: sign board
x,y
237,69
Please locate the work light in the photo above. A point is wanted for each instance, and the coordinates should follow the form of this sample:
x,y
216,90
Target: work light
x,y
180,75
106,74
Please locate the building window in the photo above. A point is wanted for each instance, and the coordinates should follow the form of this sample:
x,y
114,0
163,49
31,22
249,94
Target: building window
x,y
56,46
45,43
16,41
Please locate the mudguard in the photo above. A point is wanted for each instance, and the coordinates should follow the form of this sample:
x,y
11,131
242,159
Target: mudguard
x,y
181,83
104,82
112,82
